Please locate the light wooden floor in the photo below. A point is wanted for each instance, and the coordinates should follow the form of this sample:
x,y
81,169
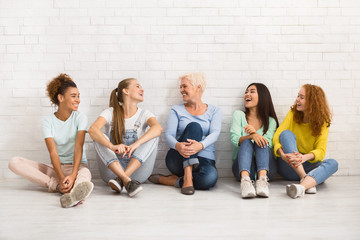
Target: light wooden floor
x,y
160,212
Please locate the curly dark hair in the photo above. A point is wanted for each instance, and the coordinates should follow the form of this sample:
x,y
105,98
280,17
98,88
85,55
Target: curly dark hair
x,y
58,86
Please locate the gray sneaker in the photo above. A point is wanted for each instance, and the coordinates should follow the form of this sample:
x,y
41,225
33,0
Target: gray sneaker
x,y
116,184
79,193
133,187
295,190
247,188
262,187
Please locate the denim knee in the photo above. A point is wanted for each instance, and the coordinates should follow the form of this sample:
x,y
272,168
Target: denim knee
x,y
207,181
247,142
333,163
194,129
285,134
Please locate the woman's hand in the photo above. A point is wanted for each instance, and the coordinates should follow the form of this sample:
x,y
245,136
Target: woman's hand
x,y
295,159
191,147
120,149
249,129
67,183
261,141
194,146
182,148
132,148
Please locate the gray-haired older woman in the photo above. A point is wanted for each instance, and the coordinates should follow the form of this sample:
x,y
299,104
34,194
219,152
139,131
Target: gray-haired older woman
x,y
192,130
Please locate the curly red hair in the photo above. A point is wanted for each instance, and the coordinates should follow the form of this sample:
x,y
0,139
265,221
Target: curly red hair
x,y
317,108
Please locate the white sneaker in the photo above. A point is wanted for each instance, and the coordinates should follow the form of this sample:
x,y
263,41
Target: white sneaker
x,y
247,188
311,190
262,187
79,193
295,190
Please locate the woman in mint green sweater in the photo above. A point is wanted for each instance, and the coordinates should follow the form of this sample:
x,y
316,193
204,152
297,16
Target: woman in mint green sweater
x,y
251,135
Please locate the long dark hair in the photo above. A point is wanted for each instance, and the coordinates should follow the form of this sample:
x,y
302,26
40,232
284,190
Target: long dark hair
x,y
116,97
265,107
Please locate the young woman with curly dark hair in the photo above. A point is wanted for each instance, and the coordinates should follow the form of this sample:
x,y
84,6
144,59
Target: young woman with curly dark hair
x,y
300,142
64,133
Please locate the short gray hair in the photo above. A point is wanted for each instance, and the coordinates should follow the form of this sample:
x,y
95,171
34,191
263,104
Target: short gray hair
x,y
196,79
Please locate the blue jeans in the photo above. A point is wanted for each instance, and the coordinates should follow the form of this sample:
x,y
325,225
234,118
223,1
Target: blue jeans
x,y
246,161
320,171
205,174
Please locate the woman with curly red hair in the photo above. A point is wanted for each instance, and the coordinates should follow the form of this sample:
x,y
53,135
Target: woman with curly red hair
x,y
300,142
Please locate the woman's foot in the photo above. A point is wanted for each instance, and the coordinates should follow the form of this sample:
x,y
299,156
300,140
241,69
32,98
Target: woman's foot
x,y
187,187
79,193
247,188
295,190
262,186
158,178
188,190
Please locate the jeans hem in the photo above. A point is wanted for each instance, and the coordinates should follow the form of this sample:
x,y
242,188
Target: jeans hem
x,y
111,161
191,161
134,156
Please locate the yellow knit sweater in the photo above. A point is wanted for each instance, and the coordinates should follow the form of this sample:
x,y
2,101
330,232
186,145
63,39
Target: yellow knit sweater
x,y
305,141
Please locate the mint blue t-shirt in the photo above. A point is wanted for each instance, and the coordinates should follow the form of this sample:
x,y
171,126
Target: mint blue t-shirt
x,y
64,134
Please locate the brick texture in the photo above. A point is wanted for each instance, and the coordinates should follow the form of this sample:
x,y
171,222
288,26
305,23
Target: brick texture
x,y
283,44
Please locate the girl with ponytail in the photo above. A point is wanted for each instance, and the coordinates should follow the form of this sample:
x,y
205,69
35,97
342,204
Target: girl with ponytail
x,y
127,148
64,133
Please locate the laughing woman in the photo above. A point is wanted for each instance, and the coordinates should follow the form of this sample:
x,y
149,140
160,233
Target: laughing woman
x,y
64,133
191,133
128,148
300,142
251,135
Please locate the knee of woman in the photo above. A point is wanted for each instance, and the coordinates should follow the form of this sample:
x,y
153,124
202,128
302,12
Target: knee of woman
x,y
334,163
15,161
209,180
284,134
194,126
246,143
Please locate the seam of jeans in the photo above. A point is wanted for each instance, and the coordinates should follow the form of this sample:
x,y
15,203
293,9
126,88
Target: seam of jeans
x,y
138,158
111,161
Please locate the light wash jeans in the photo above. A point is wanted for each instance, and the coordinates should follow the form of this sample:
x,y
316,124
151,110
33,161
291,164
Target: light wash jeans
x,y
247,161
320,171
146,154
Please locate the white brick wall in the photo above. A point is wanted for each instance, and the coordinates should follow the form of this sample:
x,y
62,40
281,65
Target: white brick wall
x,y
283,44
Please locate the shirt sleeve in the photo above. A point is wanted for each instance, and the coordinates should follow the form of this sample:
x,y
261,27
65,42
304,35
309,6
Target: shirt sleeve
x,y
171,128
320,145
236,128
271,131
107,114
215,128
82,122
283,126
47,129
147,115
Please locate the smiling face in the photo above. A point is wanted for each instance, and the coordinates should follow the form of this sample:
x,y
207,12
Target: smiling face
x,y
70,99
300,100
251,97
187,90
134,91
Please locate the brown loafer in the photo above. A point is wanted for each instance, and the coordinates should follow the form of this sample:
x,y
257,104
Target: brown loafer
x,y
154,178
188,190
